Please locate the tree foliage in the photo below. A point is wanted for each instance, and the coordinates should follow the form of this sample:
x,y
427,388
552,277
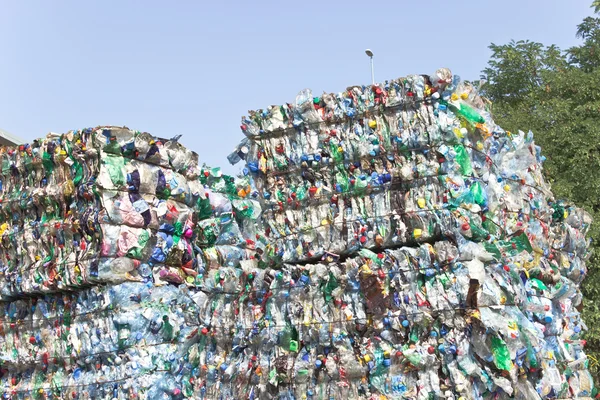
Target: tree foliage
x,y
556,94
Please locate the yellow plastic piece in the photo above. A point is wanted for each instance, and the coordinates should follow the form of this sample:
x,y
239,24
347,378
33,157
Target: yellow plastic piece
x,y
3,228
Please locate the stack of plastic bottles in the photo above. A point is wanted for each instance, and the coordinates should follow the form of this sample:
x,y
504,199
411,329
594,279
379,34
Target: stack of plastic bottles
x,y
381,166
447,268
116,342
405,323
95,205
225,214
389,241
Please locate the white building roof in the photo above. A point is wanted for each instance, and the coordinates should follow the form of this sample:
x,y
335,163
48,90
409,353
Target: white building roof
x,y
8,139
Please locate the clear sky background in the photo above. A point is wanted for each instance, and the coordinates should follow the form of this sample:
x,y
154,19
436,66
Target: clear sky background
x,y
195,67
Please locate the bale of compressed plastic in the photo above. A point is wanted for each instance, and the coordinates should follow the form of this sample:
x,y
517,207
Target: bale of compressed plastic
x,y
96,205
376,167
103,342
228,228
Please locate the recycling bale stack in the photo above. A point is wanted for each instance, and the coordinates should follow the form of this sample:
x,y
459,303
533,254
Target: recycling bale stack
x,y
96,226
414,251
389,241
136,339
370,167
111,342
94,206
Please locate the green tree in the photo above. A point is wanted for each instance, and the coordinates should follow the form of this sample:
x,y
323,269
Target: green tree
x,y
556,94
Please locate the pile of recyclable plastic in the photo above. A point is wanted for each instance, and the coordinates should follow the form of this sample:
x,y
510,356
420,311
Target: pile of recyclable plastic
x,y
117,342
379,166
90,206
447,268
226,213
388,241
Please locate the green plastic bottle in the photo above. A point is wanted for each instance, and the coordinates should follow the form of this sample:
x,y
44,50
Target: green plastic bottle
x,y
463,159
467,112
501,354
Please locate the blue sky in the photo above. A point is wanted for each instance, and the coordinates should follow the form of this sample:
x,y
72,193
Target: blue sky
x,y
195,67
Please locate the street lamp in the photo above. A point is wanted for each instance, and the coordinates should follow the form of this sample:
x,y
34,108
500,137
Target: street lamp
x,y
370,54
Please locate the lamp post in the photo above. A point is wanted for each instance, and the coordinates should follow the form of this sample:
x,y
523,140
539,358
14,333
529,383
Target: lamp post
x,y
370,54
